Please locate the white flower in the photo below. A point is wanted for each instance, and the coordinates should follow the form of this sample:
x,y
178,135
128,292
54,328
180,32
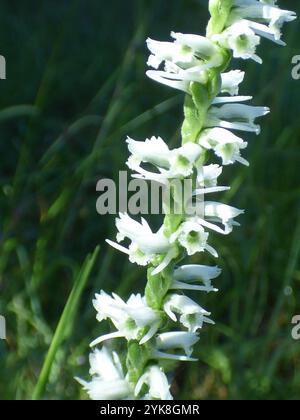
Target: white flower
x,y
186,51
171,164
225,144
231,81
176,341
192,315
170,52
184,159
141,234
193,238
208,176
236,117
203,48
222,213
136,255
153,150
241,39
129,318
191,234
265,11
184,277
186,60
263,31
108,382
207,181
145,244
157,382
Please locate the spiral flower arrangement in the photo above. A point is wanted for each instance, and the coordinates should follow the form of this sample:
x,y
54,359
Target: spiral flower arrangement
x,y
164,323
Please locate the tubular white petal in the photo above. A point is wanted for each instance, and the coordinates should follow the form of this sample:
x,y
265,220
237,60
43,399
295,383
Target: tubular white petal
x,y
265,32
195,272
221,211
177,285
212,190
117,246
177,340
240,112
242,160
161,178
175,84
212,251
211,226
231,99
166,356
236,117
166,261
168,311
106,337
252,128
152,331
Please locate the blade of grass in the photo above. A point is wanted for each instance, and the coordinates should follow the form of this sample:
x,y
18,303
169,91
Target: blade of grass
x,y
18,111
65,323
20,178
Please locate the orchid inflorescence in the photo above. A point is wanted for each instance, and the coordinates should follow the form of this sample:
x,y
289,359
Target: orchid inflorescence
x,y
164,324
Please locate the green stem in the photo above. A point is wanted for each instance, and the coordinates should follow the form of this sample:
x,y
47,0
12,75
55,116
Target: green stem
x,y
196,107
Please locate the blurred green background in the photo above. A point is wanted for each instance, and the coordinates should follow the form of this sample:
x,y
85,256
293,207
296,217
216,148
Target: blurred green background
x,y
75,88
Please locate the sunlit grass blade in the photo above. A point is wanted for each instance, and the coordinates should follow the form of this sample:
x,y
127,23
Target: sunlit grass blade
x,y
65,324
